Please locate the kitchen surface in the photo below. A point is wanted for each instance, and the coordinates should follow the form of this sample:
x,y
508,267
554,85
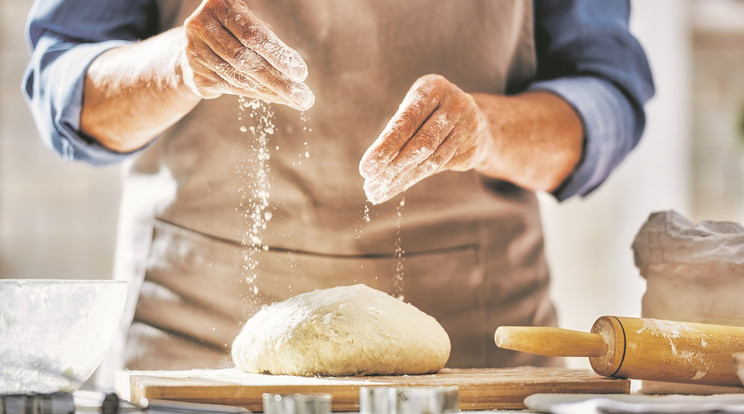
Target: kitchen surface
x,y
660,242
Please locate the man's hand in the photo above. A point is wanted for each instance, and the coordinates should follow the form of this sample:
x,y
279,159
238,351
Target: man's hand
x,y
437,127
533,140
230,51
134,92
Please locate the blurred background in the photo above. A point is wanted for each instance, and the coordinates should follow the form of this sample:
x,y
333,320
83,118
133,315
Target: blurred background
x,y
58,219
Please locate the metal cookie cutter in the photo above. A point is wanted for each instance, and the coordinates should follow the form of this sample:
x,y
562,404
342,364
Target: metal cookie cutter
x,y
408,400
296,403
55,403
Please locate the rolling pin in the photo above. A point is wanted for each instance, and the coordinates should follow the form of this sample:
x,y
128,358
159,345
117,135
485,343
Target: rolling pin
x,y
637,348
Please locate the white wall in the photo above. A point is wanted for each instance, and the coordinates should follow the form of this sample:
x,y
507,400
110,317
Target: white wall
x,y
57,219
588,240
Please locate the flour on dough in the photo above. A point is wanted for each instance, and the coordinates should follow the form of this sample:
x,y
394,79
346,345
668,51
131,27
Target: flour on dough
x,y
346,330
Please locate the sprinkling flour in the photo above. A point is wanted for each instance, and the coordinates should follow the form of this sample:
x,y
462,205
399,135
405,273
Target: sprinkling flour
x,y
398,275
253,174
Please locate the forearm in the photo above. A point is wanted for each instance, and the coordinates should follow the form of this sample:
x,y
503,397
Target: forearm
x,y
133,93
535,139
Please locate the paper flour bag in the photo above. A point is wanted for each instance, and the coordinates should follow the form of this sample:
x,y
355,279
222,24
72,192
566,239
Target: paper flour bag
x,y
694,273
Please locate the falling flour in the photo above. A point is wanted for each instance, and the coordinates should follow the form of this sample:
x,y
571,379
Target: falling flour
x,y
253,174
398,275
358,227
257,121
305,131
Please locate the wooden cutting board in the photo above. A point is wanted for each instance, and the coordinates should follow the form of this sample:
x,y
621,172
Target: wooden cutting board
x,y
479,389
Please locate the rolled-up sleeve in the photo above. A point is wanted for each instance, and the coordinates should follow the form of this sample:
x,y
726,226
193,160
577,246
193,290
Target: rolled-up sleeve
x,y
587,55
65,37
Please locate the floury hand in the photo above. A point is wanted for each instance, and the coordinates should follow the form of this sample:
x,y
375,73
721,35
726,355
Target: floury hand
x,y
533,140
228,50
437,127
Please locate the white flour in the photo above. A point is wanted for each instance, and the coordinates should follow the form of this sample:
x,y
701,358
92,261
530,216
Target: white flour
x,y
253,174
676,334
54,333
399,252
255,186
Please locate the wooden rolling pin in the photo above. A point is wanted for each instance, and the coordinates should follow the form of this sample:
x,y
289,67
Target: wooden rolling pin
x,y
636,348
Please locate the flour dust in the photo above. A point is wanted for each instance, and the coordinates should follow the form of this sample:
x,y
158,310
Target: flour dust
x,y
257,124
253,174
305,132
399,252
365,218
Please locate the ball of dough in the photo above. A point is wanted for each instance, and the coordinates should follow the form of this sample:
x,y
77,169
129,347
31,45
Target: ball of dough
x,y
346,330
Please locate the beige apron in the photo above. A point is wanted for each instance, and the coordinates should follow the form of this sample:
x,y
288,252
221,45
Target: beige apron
x,y
471,248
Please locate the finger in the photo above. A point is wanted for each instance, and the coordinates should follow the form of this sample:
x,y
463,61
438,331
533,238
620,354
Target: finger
x,y
420,147
246,62
413,112
226,79
210,85
255,35
378,191
298,94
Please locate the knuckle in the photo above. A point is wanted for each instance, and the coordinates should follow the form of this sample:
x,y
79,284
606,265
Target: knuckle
x,y
246,58
431,78
253,33
191,26
203,83
435,82
197,28
465,102
222,6
426,140
192,52
404,125
197,20
429,89
433,164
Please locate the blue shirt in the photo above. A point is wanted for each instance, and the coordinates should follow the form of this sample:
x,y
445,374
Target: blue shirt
x,y
585,54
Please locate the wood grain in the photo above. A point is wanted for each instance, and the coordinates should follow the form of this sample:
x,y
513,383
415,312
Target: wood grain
x,y
479,389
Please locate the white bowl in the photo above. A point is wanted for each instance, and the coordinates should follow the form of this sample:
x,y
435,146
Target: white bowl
x,y
54,333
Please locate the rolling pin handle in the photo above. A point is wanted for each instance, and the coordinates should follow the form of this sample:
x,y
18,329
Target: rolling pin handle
x,y
549,341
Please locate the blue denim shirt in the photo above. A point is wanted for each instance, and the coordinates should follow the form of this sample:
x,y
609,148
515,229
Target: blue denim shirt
x,y
585,54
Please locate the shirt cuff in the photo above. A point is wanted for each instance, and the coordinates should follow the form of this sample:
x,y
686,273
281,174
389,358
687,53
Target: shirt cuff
x,y
65,99
608,123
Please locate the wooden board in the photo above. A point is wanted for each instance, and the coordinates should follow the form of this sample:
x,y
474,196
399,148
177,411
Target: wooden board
x,y
479,389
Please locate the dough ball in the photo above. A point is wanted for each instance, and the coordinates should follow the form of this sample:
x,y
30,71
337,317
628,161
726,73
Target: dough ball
x,y
346,330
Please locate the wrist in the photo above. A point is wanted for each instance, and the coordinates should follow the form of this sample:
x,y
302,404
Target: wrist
x,y
484,147
535,139
183,74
